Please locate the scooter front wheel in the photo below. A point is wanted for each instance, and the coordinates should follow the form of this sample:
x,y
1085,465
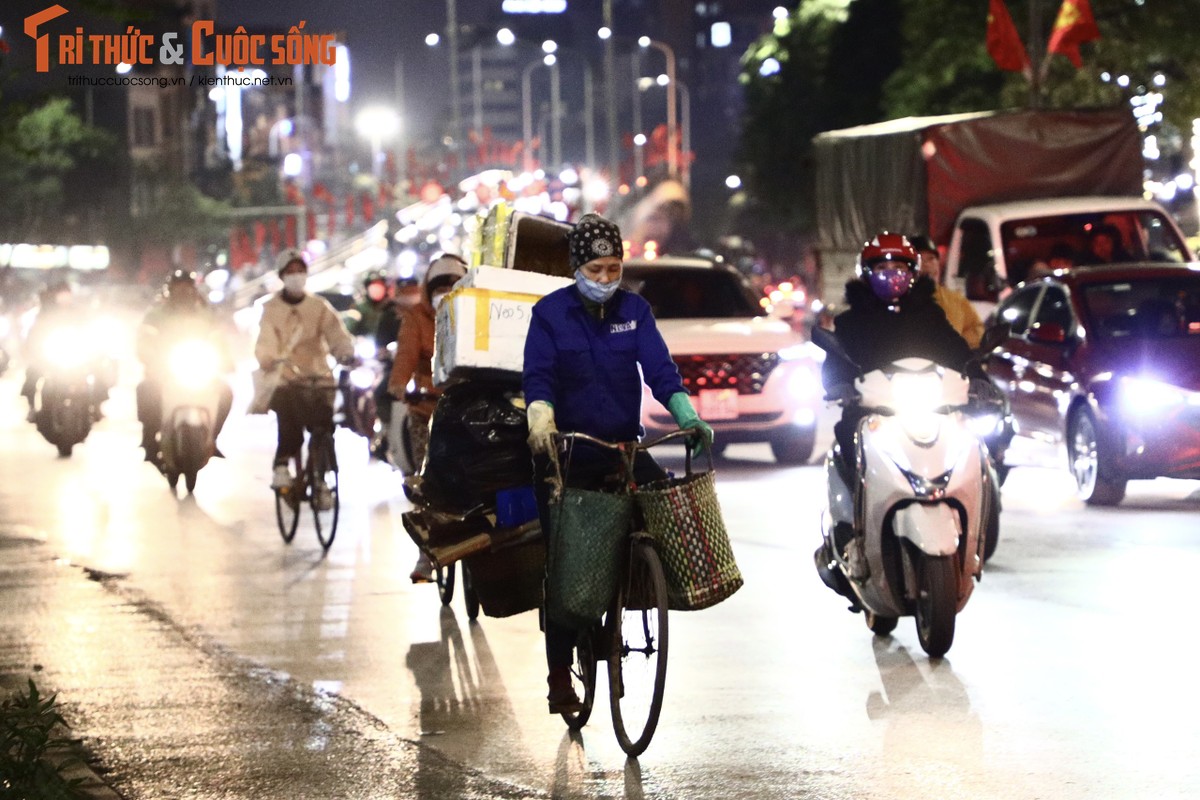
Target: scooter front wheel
x,y
937,603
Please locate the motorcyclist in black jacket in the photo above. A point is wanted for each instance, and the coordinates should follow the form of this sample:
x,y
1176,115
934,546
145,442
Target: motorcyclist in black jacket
x,y
892,314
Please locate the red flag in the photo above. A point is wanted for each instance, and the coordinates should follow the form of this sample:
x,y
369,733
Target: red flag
x,y
1004,44
1074,26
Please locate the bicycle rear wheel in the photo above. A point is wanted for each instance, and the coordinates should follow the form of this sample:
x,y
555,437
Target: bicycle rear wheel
x,y
637,664
583,669
323,492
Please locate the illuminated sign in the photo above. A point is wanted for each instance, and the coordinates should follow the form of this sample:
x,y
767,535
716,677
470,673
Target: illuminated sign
x,y
534,6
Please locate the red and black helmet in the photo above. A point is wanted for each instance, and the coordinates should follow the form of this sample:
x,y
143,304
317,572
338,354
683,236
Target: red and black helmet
x,y
892,247
900,261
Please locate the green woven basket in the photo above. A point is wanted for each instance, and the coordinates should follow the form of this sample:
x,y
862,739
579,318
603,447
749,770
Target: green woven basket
x,y
684,517
586,532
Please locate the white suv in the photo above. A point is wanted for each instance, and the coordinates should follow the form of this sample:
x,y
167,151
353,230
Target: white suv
x,y
751,377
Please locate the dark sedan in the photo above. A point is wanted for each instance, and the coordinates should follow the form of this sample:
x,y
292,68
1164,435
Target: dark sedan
x,y
1106,361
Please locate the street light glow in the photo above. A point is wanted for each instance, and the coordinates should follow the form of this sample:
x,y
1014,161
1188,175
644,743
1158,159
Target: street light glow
x,y
640,139
550,59
662,80
432,39
377,123
293,164
505,37
1123,81
604,33
779,13
644,41
769,67
549,46
733,182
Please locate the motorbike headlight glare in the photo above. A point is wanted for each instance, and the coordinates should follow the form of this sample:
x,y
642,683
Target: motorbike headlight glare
x,y
193,363
1147,397
365,347
803,383
66,348
362,377
983,425
917,393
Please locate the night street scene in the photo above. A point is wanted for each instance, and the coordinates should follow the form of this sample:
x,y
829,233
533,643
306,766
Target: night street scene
x,y
599,399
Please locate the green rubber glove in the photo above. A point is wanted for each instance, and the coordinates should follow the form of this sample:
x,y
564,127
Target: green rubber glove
x,y
680,406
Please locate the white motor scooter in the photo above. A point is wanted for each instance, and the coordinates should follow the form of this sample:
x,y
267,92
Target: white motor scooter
x,y
905,526
191,398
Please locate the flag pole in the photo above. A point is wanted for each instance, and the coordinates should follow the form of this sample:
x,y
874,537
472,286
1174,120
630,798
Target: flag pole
x,y
1037,55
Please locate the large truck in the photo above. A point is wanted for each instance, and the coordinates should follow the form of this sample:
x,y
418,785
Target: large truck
x,y
999,192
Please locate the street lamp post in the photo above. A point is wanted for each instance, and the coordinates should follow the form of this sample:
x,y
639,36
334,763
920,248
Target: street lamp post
x,y
672,120
376,124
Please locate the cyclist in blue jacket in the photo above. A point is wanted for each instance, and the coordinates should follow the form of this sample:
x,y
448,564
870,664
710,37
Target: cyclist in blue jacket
x,y
582,356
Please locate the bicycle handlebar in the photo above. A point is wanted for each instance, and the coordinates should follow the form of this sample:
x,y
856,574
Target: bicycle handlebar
x,y
682,433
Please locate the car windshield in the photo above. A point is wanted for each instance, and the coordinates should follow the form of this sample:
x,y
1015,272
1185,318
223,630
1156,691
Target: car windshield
x,y
1158,308
690,293
1039,245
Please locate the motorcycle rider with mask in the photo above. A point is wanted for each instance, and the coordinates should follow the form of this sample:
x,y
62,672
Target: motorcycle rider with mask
x,y
183,313
892,314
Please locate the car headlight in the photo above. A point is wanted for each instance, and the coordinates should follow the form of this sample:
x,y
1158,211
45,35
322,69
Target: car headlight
x,y
194,363
803,383
362,377
1147,396
66,347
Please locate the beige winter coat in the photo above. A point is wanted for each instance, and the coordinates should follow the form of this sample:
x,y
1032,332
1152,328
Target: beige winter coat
x,y
303,335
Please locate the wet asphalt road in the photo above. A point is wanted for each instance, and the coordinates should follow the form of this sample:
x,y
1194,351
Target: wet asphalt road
x,y
198,656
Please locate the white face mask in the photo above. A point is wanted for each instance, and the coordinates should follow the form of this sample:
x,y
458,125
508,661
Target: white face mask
x,y
437,298
293,283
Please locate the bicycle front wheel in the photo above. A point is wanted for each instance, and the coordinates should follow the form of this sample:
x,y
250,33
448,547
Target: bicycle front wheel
x,y
323,490
637,664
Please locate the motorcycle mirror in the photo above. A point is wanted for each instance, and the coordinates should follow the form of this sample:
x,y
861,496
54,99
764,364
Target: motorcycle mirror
x,y
827,341
994,336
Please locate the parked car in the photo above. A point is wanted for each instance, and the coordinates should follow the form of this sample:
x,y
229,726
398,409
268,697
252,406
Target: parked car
x,y
1105,361
751,377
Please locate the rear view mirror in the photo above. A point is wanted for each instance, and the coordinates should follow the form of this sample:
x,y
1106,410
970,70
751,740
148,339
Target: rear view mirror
x,y
995,336
1047,333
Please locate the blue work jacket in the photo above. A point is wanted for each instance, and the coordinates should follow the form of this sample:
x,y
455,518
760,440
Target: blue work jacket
x,y
587,368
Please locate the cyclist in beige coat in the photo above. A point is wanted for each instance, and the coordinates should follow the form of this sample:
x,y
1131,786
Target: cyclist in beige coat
x,y
298,332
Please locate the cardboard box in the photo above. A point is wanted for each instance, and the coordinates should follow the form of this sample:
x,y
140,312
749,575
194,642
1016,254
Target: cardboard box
x,y
481,329
512,280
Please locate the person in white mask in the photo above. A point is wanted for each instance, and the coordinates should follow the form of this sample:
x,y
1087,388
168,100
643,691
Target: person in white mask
x,y
414,362
299,330
588,350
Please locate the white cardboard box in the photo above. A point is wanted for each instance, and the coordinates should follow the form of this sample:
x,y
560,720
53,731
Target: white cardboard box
x,y
481,329
512,280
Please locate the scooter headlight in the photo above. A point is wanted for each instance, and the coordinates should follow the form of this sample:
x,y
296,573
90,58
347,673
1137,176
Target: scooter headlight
x,y
194,363
66,348
984,425
362,377
917,393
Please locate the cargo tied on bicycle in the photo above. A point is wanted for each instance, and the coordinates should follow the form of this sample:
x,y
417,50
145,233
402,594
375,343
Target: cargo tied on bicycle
x,y
536,479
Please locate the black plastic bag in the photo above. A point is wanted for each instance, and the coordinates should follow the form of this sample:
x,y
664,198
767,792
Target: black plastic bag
x,y
477,445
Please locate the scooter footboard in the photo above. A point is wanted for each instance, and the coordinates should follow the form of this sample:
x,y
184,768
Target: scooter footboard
x,y
935,528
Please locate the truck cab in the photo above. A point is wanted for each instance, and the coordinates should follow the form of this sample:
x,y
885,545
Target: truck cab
x,y
995,247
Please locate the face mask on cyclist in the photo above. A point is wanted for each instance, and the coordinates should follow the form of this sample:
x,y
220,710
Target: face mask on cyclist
x,y
293,283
